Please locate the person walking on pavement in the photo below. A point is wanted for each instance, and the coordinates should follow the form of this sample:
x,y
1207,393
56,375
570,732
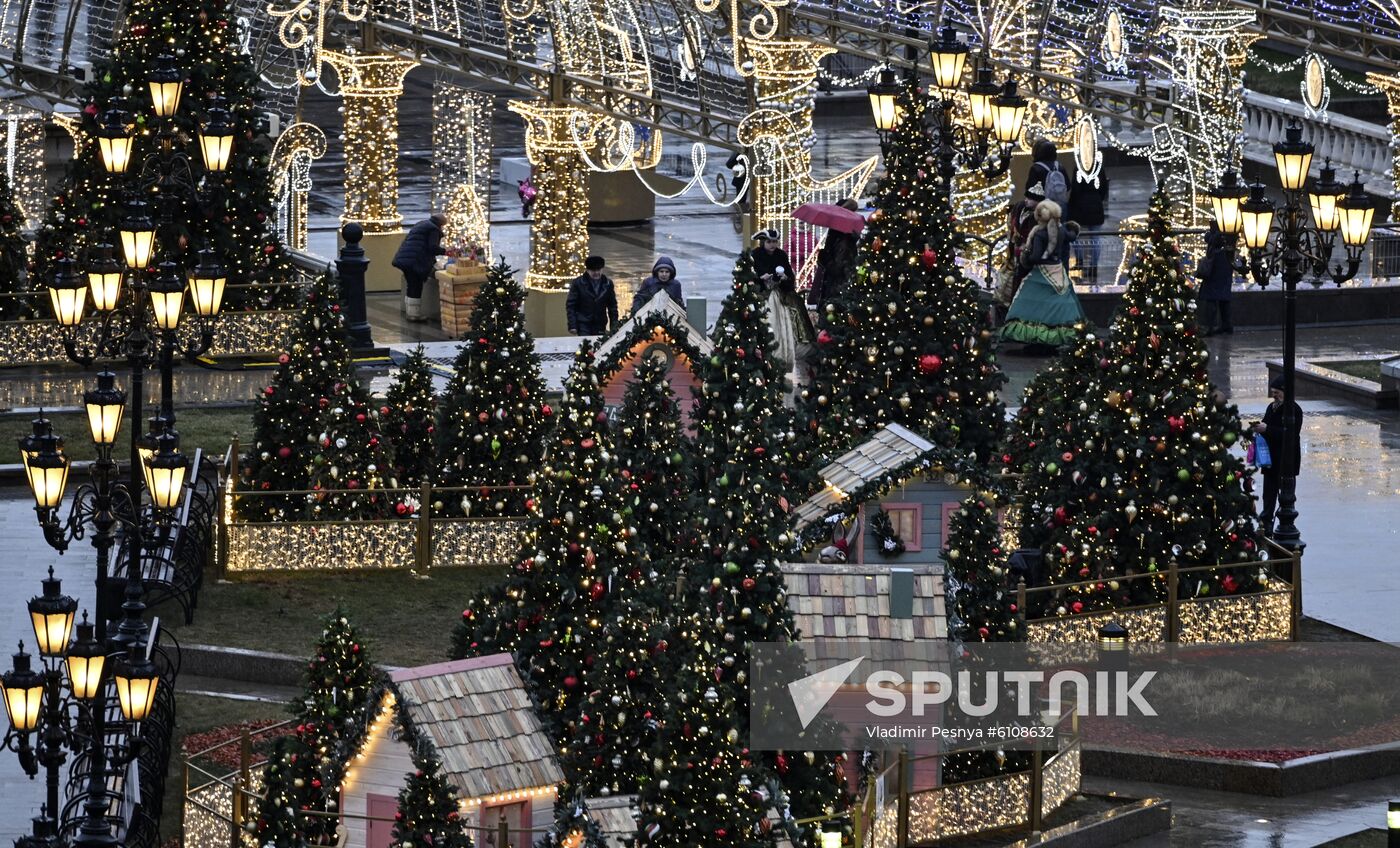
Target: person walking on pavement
x,y
592,303
1216,272
1086,208
1283,462
662,279
415,258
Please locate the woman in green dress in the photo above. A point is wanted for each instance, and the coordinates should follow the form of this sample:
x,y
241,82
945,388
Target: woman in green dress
x,y
1046,309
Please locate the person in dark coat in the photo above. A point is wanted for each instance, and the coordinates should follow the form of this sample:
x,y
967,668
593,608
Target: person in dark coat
x,y
738,164
836,262
1086,208
592,303
771,260
415,258
1217,274
1284,463
662,279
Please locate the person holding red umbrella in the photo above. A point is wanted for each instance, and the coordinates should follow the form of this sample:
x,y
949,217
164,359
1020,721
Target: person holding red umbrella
x,y
836,261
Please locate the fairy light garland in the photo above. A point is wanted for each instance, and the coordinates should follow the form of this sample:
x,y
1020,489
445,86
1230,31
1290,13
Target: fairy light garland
x,y
370,86
462,167
290,167
559,228
23,135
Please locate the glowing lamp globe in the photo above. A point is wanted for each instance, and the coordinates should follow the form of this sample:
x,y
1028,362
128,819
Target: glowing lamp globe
x,y
884,101
1113,637
138,234
51,614
831,839
104,278
86,660
105,405
1008,113
1293,157
167,293
207,283
948,56
48,473
1225,202
979,99
1355,212
30,445
115,141
216,139
166,82
68,293
136,688
165,472
24,693
1256,218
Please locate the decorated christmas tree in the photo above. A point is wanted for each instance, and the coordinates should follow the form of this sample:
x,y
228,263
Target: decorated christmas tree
x,y
1056,412
909,343
493,418
198,42
341,683
15,280
980,609
705,787
1164,483
291,789
286,423
408,417
579,561
745,452
655,463
348,469
428,816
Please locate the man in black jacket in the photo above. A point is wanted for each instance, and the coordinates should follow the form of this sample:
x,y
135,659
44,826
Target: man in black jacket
x,y
419,251
592,303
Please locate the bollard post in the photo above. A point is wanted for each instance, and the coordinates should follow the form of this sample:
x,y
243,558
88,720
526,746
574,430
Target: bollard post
x,y
1173,594
502,833
425,529
901,834
351,265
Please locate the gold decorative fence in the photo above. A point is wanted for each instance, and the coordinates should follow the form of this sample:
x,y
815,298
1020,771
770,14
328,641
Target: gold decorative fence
x,y
236,334
1270,615
896,815
419,542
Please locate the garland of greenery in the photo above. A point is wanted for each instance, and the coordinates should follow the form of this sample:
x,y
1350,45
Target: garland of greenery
x,y
888,544
642,331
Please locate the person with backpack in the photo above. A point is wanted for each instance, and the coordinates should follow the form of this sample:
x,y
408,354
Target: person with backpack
x,y
1047,180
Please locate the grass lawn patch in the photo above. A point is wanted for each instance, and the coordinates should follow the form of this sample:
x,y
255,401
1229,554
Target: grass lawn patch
x,y
195,714
1365,369
407,621
211,429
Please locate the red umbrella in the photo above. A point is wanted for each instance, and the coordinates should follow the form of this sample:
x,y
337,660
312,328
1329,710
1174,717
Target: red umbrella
x,y
831,216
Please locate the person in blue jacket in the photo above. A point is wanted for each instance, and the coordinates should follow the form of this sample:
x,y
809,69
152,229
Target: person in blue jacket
x,y
662,279
415,258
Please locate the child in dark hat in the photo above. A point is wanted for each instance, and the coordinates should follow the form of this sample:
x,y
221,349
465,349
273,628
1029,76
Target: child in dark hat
x,y
770,260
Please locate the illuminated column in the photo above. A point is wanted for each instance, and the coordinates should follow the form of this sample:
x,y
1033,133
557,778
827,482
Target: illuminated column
x,y
1391,86
559,229
370,86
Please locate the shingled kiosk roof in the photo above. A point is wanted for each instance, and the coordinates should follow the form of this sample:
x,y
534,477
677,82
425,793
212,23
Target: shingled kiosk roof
x,y
616,817
853,601
478,716
660,311
888,450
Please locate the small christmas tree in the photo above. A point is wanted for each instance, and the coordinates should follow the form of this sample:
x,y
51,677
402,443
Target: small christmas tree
x,y
981,610
745,457
286,423
428,816
578,561
348,470
291,789
910,343
493,418
1054,417
408,417
235,213
655,465
15,281
340,684
1165,485
706,789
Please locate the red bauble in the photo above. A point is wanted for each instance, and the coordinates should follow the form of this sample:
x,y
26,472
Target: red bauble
x,y
284,452
353,484
983,632
283,359
1076,607
483,417
546,410
401,509
824,337
597,591
571,682
587,444
749,583
269,391
930,363
739,352
1067,456
928,257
